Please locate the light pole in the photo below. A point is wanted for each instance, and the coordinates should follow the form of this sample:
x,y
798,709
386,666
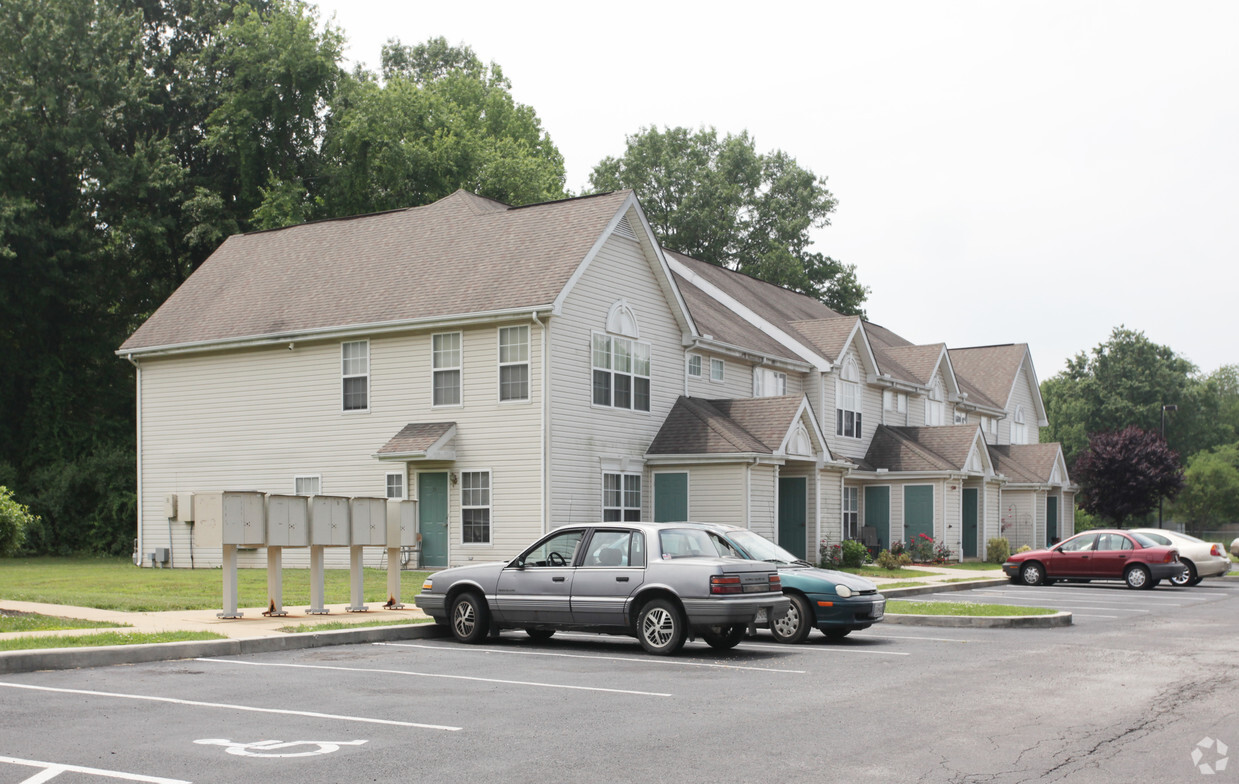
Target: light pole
x,y
1159,498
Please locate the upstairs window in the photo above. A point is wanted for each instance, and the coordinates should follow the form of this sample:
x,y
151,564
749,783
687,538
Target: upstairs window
x,y
1019,430
694,366
621,372
621,497
961,417
513,363
895,402
848,401
445,369
935,407
769,383
716,370
355,372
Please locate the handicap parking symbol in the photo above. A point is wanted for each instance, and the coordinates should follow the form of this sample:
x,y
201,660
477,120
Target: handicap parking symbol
x,y
278,748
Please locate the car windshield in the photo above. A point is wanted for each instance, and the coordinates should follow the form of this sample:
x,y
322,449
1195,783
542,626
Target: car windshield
x,y
685,543
760,548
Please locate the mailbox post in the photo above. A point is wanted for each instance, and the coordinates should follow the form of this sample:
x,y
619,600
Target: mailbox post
x,y
228,519
329,527
369,527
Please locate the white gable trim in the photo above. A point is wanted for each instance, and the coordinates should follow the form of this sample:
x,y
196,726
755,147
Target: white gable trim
x,y
1038,404
871,359
649,244
979,460
804,415
734,305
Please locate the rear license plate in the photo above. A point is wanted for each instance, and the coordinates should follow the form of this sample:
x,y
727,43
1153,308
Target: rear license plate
x,y
761,616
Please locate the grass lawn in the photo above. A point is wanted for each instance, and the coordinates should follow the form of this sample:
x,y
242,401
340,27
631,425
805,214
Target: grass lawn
x,y
116,584
876,571
964,579
303,628
976,566
103,638
13,621
900,584
904,607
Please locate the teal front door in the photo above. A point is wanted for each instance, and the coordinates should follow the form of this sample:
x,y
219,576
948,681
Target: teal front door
x,y
1051,520
970,522
918,512
878,513
793,501
432,517
670,497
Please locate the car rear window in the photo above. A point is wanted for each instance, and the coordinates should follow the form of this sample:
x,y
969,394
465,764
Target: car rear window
x,y
685,543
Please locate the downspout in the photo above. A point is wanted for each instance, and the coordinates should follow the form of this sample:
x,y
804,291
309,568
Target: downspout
x,y
138,505
542,440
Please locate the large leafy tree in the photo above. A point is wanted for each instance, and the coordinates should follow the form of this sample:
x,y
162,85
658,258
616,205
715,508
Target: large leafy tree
x,y
719,200
1124,473
1211,487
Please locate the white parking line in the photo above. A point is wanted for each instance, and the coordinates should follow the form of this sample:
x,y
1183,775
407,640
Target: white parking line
x,y
227,706
435,675
53,769
779,646
645,660
910,637
1082,615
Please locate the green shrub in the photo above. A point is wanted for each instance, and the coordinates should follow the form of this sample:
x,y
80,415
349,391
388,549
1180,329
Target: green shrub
x,y
887,560
997,550
1024,549
831,555
15,518
855,554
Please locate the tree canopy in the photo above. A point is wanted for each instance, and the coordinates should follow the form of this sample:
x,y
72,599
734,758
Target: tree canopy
x,y
719,200
1123,474
1211,487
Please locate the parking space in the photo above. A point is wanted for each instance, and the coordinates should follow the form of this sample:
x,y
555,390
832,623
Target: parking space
x,y
582,707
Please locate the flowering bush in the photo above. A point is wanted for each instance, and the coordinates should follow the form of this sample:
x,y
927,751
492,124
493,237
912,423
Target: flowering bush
x,y
897,548
831,555
888,560
942,553
921,548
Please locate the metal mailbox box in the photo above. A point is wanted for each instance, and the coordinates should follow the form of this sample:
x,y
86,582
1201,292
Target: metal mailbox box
x,y
329,521
369,520
236,517
288,521
401,523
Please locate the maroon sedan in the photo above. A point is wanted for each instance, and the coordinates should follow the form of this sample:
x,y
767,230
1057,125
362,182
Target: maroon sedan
x,y
1100,554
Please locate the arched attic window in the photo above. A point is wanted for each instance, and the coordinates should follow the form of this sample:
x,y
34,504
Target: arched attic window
x,y
620,362
848,400
935,406
1019,430
800,443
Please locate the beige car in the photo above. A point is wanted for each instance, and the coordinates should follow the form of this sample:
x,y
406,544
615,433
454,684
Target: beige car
x,y
1202,559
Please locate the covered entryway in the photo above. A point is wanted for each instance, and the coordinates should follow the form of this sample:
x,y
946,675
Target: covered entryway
x,y
793,506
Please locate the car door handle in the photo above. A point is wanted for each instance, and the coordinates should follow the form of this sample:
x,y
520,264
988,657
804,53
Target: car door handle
x,y
557,579
621,579
1084,558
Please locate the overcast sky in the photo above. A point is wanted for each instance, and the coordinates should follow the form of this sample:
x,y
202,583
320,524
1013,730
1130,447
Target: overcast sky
x,y
1035,172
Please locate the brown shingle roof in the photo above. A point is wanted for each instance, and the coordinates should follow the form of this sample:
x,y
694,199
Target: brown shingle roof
x,y
910,363
714,319
943,448
828,335
416,438
990,370
462,254
697,426
777,305
1032,463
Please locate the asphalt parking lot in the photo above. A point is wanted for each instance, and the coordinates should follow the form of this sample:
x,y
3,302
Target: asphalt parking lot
x,y
1128,693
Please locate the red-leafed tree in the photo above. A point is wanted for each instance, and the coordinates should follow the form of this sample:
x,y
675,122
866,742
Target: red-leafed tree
x,y
1123,474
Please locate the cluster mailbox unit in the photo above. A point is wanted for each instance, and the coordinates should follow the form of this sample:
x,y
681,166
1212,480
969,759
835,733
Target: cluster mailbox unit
x,y
229,519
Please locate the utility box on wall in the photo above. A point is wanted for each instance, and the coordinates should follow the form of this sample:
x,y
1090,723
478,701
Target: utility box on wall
x,y
401,523
329,521
230,517
288,521
369,518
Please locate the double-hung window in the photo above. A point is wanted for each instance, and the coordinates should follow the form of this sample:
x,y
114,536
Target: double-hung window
x,y
355,372
621,372
694,365
475,507
446,365
851,512
513,363
848,403
1019,430
769,383
621,497
934,405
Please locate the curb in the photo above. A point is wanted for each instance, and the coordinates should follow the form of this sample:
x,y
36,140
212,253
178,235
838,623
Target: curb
x,y
12,662
941,588
1061,618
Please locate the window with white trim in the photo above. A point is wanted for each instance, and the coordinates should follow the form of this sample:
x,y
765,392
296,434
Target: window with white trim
x,y
961,416
1019,430
768,383
935,407
895,402
445,368
513,363
355,372
848,401
716,370
851,513
307,484
621,372
621,497
694,365
475,507
395,485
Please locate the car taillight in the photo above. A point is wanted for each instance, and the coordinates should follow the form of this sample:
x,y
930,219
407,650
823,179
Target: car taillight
x,y
776,583
1171,557
721,583
1215,550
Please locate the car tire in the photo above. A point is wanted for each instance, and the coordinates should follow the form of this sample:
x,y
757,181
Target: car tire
x,y
540,634
1032,573
723,638
836,634
661,628
470,618
795,624
1138,577
1187,577
1198,581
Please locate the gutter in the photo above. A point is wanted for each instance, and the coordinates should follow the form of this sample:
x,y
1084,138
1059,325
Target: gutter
x,y
542,439
138,505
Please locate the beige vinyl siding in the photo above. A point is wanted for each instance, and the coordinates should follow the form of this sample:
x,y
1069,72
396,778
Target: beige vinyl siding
x,y
1021,396
763,484
949,525
253,419
583,436
715,492
832,509
1018,517
737,379
870,409
991,494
